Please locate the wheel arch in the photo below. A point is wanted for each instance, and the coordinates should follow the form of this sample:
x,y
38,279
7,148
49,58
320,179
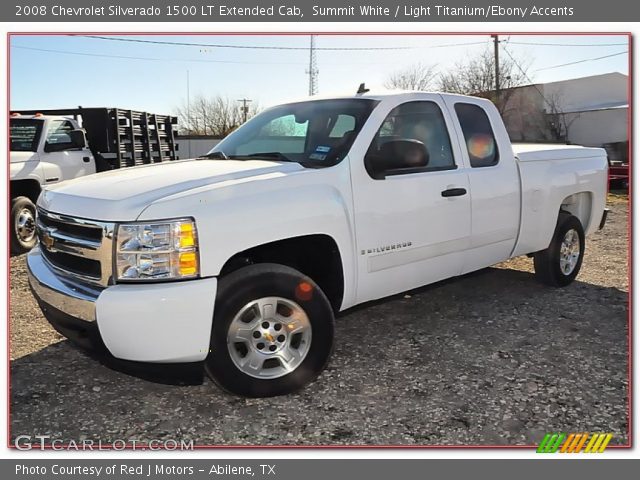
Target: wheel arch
x,y
27,187
317,256
579,205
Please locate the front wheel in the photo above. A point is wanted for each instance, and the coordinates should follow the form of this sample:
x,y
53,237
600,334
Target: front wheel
x,y
272,331
23,225
560,263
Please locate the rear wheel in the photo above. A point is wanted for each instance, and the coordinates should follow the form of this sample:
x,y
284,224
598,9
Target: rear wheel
x,y
272,331
560,263
23,225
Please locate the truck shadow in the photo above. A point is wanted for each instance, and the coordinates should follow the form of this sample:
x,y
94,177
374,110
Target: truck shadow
x,y
489,358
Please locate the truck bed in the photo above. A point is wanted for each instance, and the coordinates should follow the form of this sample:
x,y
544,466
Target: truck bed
x,y
535,152
121,138
549,175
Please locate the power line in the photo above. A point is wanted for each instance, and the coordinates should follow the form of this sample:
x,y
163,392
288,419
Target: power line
x,y
582,61
276,47
270,47
127,57
166,59
571,44
524,73
465,44
245,47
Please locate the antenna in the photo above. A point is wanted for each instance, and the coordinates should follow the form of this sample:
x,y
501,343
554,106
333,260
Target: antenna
x,y
312,71
362,89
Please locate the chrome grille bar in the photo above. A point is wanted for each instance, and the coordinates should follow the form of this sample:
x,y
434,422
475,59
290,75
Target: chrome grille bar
x,y
77,247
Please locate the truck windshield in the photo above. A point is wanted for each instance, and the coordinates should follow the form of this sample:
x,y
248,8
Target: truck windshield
x,y
316,133
24,134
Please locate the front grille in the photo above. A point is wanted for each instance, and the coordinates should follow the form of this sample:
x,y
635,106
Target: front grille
x,y
82,231
74,264
76,247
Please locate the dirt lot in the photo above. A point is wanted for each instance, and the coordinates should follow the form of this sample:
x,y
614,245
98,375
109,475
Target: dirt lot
x,y
490,358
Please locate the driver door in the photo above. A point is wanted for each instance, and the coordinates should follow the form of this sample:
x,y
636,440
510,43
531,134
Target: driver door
x,y
412,225
65,163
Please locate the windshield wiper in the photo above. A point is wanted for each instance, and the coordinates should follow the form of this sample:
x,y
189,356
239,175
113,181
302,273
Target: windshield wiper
x,y
220,155
267,155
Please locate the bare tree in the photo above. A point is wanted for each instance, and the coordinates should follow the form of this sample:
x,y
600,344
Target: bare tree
x,y
415,77
217,115
559,121
476,76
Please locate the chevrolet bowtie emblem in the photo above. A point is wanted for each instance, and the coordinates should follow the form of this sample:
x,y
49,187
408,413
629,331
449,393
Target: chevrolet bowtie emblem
x,y
47,240
269,337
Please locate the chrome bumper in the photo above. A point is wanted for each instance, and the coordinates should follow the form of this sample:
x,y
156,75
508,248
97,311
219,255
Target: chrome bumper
x,y
63,293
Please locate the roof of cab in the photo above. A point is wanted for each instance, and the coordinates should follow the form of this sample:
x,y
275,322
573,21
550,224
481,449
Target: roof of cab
x,y
382,95
39,117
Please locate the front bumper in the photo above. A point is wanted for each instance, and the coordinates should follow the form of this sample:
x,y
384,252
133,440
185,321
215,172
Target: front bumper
x,y
154,322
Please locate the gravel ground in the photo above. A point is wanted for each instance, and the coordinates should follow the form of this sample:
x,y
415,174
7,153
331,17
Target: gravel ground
x,y
492,358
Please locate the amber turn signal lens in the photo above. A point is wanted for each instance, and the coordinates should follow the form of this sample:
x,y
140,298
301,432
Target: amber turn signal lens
x,y
188,263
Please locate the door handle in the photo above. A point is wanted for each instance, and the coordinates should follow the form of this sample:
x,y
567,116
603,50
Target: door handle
x,y
454,192
86,159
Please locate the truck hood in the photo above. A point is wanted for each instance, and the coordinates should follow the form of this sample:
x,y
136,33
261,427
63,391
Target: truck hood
x,y
122,195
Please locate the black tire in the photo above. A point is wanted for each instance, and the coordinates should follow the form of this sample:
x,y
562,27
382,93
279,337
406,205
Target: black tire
x,y
20,243
247,284
547,262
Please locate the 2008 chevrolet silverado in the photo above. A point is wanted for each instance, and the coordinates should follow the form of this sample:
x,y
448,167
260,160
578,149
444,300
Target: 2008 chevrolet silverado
x,y
240,260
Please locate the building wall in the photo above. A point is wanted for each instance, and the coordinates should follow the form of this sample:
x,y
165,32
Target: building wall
x,y
589,92
195,147
597,127
585,101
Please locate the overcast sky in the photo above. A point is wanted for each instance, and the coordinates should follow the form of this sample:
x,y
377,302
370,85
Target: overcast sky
x,y
67,71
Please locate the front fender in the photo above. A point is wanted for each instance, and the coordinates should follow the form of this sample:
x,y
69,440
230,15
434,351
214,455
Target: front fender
x,y
233,218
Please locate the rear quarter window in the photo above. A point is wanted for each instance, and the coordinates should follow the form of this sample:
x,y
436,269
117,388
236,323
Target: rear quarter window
x,y
478,135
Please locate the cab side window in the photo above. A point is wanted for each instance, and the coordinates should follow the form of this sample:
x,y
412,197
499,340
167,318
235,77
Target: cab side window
x,y
420,121
478,135
59,133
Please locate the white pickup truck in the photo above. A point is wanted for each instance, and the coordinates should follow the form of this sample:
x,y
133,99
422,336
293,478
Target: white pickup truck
x,y
240,260
44,150
51,146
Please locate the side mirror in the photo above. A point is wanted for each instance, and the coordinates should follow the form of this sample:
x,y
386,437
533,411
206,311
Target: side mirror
x,y
395,156
78,139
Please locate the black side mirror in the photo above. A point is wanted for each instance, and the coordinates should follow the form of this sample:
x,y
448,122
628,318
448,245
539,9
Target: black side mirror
x,y
78,139
396,156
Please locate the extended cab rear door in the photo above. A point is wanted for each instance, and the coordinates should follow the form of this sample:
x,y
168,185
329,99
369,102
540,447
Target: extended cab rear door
x,y
493,179
412,226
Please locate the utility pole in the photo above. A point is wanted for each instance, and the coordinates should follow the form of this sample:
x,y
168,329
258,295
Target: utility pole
x,y
188,114
496,61
244,108
313,67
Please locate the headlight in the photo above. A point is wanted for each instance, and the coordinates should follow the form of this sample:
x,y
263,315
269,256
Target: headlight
x,y
163,250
